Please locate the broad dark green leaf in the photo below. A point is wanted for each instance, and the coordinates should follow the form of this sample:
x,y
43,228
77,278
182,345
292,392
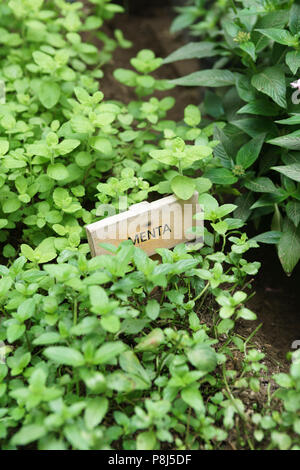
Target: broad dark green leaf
x,y
271,237
193,50
220,176
249,153
261,185
209,78
293,211
291,171
289,246
271,82
289,141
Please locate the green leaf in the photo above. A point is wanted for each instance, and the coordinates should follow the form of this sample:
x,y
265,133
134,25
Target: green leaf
x,y
192,115
130,364
45,251
255,126
289,141
249,48
224,149
272,83
203,357
109,351
193,398
102,145
151,341
3,223
57,171
281,440
183,187
203,185
213,104
14,332
209,202
28,433
44,61
152,309
49,94
280,36
225,326
28,252
146,441
4,146
47,338
271,237
110,323
294,20
12,204
289,246
292,59
193,50
81,125
261,107
293,120
246,314
67,146
249,153
220,176
291,171
164,156
95,411
209,78
65,356
293,212
261,185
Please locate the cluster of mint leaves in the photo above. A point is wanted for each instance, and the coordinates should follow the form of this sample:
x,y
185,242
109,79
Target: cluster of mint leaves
x,y
115,352
250,55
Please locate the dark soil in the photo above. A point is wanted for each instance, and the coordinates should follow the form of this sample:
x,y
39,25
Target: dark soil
x,y
277,305
276,300
150,32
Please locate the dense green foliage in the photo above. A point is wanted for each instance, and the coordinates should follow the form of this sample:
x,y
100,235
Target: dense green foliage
x,y
117,352
252,49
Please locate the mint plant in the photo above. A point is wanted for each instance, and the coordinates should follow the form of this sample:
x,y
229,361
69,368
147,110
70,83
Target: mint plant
x,y
253,50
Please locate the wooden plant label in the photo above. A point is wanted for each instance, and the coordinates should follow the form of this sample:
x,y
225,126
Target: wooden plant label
x,y
160,224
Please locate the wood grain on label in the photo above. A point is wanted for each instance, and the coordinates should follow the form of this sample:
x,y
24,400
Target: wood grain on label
x,y
160,224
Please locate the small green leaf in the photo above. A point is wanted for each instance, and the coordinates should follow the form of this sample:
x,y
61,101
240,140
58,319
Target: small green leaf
x,y
49,94
193,398
95,411
183,187
192,115
57,171
146,440
65,356
203,357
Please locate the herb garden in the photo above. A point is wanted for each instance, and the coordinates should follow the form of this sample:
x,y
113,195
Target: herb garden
x,y
124,351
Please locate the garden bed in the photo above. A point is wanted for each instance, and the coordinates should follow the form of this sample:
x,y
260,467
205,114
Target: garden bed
x,y
275,292
126,352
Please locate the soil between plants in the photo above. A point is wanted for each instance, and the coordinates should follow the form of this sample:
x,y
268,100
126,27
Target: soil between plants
x,y
276,300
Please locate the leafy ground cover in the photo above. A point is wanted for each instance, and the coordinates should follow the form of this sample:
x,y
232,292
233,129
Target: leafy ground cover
x,y
118,352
